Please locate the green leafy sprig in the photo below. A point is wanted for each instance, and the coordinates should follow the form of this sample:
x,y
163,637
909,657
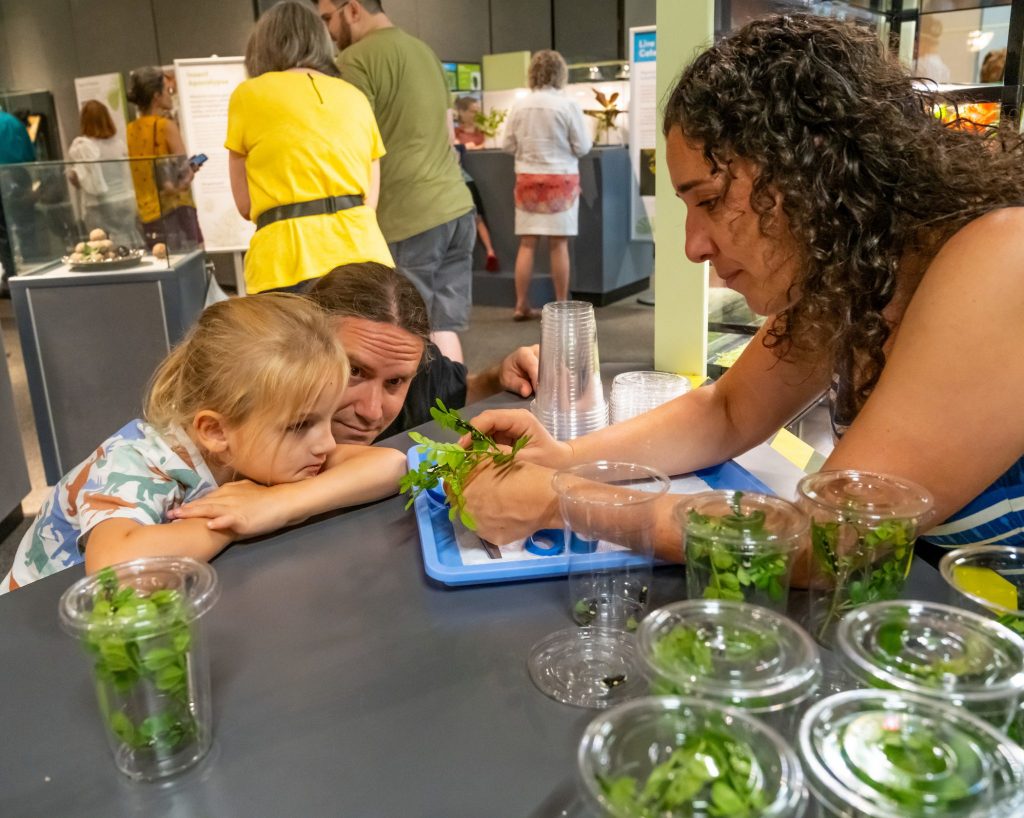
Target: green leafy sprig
x,y
711,773
141,646
873,568
690,650
451,463
731,576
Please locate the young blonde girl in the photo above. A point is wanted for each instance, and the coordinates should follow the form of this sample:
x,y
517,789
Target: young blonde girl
x,y
244,402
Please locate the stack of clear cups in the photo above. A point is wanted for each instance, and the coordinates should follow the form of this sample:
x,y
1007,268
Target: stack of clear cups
x,y
570,399
634,393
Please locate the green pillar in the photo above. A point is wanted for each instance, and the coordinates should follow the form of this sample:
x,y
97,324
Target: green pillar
x,y
685,27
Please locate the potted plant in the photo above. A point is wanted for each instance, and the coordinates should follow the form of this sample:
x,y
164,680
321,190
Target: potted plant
x,y
489,124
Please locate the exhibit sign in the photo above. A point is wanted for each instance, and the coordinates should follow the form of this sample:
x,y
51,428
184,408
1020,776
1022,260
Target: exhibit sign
x,y
108,89
204,89
643,128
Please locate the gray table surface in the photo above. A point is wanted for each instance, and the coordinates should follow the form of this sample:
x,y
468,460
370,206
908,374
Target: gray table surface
x,y
345,683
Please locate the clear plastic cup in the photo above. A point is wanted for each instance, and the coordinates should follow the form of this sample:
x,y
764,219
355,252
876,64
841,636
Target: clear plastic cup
x,y
665,756
634,393
733,654
140,623
610,506
608,510
740,546
936,651
570,398
889,754
863,527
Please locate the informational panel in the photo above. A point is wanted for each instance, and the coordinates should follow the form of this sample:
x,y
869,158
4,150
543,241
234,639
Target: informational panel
x,y
204,88
108,89
643,128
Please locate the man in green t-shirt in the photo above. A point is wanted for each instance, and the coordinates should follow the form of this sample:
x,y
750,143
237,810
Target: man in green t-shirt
x,y
425,209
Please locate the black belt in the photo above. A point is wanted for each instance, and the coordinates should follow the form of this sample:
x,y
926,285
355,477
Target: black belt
x,y
317,207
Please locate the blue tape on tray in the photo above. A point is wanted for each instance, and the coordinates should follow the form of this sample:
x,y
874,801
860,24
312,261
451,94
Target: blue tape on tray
x,y
443,561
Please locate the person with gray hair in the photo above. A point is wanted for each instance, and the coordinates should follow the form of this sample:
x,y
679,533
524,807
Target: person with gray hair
x,y
426,211
547,134
304,153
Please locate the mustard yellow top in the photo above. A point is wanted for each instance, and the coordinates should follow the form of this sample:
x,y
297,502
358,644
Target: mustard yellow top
x,y
305,136
147,137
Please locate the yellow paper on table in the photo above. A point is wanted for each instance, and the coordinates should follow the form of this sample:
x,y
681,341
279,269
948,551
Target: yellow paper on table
x,y
986,584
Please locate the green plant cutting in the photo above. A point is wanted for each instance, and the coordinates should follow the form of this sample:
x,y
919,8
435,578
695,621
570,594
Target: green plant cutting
x,y
691,650
141,645
929,773
893,643
488,124
730,576
871,569
451,463
711,773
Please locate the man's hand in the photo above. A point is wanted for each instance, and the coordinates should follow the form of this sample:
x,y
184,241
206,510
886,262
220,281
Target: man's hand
x,y
517,373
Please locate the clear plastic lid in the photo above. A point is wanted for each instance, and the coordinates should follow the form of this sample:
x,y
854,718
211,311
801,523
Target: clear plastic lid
x,y
731,652
716,760
188,589
888,754
740,518
924,647
865,495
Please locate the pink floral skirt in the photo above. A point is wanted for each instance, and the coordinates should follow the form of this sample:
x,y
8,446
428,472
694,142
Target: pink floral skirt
x,y
547,204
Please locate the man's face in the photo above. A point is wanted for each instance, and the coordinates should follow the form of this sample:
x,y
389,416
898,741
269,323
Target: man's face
x,y
384,359
334,18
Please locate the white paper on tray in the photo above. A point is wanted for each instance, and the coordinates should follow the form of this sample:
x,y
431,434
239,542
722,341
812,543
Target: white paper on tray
x,y
472,551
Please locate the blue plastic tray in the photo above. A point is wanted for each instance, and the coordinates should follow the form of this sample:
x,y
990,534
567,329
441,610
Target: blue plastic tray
x,y
442,559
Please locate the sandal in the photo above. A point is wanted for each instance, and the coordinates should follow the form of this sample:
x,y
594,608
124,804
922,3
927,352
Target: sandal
x,y
529,315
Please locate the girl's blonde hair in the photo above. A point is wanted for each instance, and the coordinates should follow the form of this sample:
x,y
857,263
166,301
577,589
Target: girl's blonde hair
x,y
264,357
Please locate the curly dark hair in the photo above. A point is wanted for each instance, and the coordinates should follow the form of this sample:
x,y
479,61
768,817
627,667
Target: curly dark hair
x,y
867,176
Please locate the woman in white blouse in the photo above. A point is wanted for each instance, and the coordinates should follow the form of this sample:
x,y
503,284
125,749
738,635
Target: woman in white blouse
x,y
107,194
546,132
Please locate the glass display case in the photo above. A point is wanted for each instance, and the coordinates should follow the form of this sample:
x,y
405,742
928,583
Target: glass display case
x,y
100,215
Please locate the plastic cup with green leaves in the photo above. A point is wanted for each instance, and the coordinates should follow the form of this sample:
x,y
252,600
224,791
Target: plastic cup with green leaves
x,y
863,528
733,654
740,546
672,756
890,754
139,622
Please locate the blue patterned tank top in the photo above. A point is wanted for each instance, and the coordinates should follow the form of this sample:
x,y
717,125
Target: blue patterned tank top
x,y
994,517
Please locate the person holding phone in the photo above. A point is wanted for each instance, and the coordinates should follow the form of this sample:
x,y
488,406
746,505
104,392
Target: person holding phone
x,y
304,157
162,188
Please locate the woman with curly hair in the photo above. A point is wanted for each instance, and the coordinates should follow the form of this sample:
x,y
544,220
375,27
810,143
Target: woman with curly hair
x,y
886,251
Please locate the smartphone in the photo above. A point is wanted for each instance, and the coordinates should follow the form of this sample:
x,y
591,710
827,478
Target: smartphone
x,y
197,161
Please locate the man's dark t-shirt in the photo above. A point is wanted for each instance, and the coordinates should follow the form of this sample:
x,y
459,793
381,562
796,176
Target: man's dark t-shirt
x,y
440,378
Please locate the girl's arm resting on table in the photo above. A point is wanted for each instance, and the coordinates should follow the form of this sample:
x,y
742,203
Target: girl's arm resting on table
x,y
354,475
239,183
117,540
946,412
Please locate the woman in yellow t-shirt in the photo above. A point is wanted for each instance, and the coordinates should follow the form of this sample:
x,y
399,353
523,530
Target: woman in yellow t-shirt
x,y
304,158
162,188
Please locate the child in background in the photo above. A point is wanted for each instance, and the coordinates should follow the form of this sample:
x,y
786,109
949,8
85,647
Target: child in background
x,y
249,393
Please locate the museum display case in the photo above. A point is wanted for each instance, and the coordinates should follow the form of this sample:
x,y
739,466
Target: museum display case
x,y
100,295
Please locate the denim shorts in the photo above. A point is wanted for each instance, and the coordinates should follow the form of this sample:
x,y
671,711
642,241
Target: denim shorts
x,y
439,262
